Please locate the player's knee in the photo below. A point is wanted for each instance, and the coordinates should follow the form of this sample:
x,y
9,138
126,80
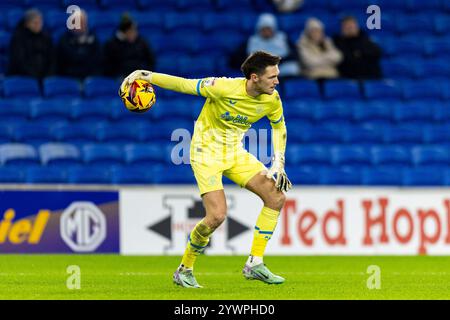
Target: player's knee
x,y
276,201
218,217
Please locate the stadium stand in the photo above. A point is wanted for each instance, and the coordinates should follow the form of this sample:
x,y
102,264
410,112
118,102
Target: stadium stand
x,y
394,131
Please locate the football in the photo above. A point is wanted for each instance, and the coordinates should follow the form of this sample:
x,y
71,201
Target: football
x,y
139,96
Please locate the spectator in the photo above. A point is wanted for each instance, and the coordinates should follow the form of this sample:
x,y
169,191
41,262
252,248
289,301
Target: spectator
x,y
31,50
127,51
317,52
287,5
268,38
361,55
79,52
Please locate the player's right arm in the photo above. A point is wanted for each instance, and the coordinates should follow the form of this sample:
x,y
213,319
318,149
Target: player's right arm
x,y
208,87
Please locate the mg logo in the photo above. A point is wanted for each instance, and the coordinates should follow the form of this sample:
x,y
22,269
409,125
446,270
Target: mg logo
x,y
83,226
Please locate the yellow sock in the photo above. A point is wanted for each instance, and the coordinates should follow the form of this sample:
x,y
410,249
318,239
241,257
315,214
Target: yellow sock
x,y
265,225
197,242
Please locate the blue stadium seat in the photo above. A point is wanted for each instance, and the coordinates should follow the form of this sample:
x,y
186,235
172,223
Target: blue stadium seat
x,y
195,5
372,111
61,87
333,110
186,109
54,19
5,132
350,155
168,63
89,175
148,21
404,134
100,87
14,110
435,68
346,175
12,175
44,4
59,154
391,155
417,111
5,40
181,174
404,24
441,112
421,6
300,109
424,176
341,89
163,131
300,89
12,4
147,154
132,175
157,5
18,154
423,90
408,45
85,4
21,87
228,41
383,176
382,89
50,110
74,133
104,20
236,5
322,134
431,155
399,68
303,175
364,134
91,110
13,17
437,47
45,175
196,67
437,134
292,23
33,133
441,24
315,154
119,4
102,155
117,133
212,21
182,43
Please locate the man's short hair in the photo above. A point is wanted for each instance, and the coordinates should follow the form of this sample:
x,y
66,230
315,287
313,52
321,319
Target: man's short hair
x,y
257,63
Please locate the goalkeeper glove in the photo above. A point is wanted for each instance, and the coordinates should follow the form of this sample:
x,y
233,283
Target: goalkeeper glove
x,y
282,182
135,75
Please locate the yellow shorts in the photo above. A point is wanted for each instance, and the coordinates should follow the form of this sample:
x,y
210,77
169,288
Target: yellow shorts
x,y
239,168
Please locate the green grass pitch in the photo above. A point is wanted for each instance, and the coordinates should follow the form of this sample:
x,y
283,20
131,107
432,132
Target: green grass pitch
x,y
150,277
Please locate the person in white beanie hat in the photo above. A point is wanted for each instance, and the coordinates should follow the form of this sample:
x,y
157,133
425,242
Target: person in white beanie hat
x,y
317,52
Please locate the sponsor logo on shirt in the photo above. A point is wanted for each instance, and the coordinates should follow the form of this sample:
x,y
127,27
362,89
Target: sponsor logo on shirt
x,y
235,119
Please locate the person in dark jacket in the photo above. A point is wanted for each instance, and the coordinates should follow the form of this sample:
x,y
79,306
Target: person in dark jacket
x,y
127,51
361,55
31,49
79,52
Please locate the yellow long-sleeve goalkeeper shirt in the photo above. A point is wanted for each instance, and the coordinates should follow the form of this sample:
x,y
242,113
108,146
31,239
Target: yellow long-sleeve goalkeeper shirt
x,y
228,111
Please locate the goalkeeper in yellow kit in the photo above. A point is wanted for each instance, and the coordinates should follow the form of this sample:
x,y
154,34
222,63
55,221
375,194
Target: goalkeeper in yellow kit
x,y
232,105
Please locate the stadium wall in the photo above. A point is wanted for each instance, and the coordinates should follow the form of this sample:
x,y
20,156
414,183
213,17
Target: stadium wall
x,y
156,221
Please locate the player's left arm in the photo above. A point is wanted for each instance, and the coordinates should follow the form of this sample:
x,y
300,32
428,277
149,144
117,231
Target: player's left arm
x,y
207,87
279,140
